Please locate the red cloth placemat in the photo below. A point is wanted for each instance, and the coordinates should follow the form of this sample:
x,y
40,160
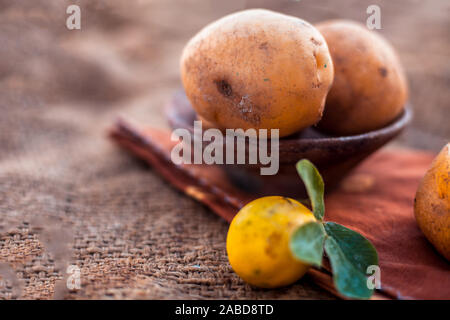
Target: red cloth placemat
x,y
375,200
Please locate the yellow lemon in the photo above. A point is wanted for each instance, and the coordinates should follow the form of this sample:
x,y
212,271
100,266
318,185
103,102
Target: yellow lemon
x,y
258,241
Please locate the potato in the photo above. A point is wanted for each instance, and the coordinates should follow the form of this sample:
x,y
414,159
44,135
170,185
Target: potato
x,y
432,203
370,88
257,69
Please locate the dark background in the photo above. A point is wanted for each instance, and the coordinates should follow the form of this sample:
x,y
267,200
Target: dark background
x,y
68,196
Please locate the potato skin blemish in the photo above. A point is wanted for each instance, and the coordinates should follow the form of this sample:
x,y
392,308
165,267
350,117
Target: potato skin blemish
x,y
224,88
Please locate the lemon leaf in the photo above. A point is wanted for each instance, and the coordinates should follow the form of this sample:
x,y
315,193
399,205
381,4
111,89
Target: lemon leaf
x,y
306,243
314,186
359,251
348,280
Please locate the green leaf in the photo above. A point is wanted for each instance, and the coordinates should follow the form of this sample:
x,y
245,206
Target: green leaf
x,y
348,280
305,202
358,250
314,186
306,243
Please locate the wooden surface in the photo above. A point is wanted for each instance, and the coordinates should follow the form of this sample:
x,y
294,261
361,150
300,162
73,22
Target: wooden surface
x,y
68,196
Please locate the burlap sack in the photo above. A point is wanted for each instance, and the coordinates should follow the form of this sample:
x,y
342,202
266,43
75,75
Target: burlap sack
x,y
68,196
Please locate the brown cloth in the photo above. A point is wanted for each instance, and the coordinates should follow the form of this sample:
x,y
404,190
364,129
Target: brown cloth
x,y
376,200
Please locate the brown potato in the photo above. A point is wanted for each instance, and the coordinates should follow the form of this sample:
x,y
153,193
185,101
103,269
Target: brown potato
x,y
257,69
432,203
370,88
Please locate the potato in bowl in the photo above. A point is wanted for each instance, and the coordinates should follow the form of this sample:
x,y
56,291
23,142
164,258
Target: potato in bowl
x,y
257,69
370,88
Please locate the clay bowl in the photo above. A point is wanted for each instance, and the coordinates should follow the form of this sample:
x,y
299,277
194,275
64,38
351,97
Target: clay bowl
x,y
334,156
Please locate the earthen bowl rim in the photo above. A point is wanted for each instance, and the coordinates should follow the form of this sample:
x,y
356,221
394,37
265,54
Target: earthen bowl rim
x,y
399,123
